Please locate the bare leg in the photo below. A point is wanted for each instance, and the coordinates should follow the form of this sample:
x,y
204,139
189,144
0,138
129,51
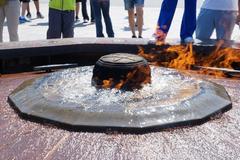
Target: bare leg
x,y
24,8
36,3
39,14
131,21
139,20
28,8
77,8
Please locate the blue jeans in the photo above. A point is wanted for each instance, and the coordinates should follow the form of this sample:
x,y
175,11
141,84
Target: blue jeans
x,y
189,18
222,21
99,8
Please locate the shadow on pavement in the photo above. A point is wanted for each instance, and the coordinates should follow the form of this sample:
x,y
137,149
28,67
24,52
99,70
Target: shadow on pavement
x,y
127,28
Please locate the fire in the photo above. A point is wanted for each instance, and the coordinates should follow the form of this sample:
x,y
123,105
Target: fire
x,y
177,56
183,57
120,84
134,79
225,58
107,83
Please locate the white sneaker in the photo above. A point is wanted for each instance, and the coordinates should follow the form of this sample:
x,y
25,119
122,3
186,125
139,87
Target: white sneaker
x,y
85,21
188,40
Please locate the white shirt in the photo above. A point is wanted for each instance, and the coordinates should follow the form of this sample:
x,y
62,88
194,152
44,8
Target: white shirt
x,y
224,5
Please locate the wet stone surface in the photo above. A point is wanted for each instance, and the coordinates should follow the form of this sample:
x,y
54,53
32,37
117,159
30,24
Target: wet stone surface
x,y
172,99
214,140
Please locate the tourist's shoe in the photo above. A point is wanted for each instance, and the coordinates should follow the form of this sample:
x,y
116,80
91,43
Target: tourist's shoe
x,y
39,15
29,15
188,40
85,21
133,36
23,20
140,37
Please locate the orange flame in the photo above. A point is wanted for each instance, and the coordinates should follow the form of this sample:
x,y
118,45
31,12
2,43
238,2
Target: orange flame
x,y
184,58
133,79
107,83
224,58
177,56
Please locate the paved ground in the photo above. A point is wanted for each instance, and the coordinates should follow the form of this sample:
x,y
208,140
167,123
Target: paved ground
x,y
36,29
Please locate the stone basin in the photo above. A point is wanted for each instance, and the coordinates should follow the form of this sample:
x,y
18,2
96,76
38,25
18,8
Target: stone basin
x,y
172,99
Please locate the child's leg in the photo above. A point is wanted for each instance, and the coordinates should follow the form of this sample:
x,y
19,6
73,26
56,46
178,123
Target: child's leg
x,y
189,19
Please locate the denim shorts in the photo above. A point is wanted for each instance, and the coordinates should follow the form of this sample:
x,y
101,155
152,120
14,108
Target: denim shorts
x,y
129,4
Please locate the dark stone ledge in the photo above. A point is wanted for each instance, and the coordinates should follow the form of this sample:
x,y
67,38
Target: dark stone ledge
x,y
23,56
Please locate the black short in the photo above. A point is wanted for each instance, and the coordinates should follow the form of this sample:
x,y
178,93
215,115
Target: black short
x,y
26,1
78,1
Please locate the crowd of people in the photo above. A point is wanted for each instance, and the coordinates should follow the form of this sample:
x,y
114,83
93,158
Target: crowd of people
x,y
219,15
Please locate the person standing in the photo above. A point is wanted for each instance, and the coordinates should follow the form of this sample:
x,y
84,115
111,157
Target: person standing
x,y
10,10
188,21
92,12
129,6
22,18
102,7
219,15
38,13
61,19
84,11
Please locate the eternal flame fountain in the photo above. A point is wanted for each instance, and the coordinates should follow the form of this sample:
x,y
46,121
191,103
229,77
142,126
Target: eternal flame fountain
x,y
121,91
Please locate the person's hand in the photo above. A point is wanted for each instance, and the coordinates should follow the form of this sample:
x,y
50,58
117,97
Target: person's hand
x,y
159,35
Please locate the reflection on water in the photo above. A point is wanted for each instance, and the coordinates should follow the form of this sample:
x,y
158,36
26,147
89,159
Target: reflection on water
x,y
168,87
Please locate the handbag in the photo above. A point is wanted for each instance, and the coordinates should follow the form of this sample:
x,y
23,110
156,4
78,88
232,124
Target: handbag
x,y
2,2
